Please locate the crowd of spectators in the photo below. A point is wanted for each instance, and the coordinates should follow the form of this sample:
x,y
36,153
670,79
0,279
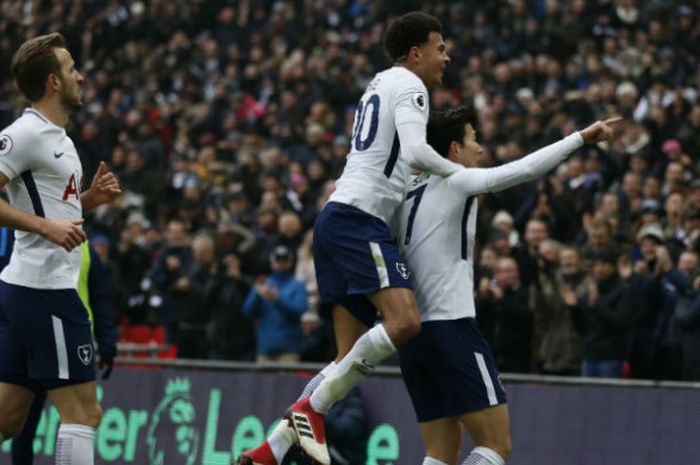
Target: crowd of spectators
x,y
227,122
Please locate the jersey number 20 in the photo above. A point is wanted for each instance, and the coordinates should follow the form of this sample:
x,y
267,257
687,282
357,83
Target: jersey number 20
x,y
362,110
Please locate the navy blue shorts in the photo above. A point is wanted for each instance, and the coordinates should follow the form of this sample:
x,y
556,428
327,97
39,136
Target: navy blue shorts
x,y
449,370
45,338
354,255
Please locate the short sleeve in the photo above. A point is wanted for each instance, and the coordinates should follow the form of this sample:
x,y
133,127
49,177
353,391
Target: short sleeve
x,y
13,144
411,103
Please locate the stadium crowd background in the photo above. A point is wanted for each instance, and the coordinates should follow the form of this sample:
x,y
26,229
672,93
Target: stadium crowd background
x,y
227,123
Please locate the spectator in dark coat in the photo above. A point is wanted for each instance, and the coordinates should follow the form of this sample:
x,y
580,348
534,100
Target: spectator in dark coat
x,y
505,318
654,351
687,317
230,334
603,316
175,260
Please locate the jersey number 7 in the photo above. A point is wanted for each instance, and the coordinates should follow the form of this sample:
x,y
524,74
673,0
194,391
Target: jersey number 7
x,y
417,195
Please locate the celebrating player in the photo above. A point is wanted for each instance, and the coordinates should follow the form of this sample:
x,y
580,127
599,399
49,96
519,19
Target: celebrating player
x,y
45,337
359,266
448,367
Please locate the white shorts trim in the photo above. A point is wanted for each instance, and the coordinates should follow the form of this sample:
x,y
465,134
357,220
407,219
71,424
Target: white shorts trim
x,y
488,382
61,352
379,262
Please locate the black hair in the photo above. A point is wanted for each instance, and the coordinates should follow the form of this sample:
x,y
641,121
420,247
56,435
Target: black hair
x,y
409,30
447,126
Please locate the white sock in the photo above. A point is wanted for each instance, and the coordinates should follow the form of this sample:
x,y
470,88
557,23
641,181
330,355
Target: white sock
x,y
432,461
316,380
74,445
283,437
280,440
369,350
484,456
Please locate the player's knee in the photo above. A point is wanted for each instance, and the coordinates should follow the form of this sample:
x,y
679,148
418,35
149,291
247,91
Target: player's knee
x,y
503,446
94,416
90,416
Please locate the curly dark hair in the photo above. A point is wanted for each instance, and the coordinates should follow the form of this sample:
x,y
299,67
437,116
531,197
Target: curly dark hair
x,y
407,31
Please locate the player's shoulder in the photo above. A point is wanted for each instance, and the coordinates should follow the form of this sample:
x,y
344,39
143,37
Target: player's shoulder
x,y
27,132
16,135
402,77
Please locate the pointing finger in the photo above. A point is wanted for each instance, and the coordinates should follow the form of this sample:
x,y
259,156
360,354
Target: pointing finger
x,y
609,121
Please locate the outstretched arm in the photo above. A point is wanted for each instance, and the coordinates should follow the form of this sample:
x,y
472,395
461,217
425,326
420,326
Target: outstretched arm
x,y
481,180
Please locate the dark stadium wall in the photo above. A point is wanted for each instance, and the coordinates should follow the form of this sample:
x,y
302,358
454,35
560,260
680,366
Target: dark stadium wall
x,y
190,417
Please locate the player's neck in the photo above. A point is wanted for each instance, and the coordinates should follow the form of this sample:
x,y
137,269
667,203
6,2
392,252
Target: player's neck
x,y
52,110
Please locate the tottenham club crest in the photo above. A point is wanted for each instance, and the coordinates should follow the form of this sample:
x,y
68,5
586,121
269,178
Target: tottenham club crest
x,y
403,270
85,354
419,101
5,144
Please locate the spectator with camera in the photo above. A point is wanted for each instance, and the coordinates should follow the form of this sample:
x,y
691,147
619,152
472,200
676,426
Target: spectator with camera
x,y
276,303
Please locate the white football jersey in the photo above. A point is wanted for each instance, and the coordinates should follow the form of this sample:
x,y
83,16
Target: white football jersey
x,y
437,226
44,170
375,175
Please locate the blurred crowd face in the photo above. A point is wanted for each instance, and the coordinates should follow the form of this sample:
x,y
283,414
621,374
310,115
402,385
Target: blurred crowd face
x,y
647,247
610,205
569,261
674,206
549,250
488,259
176,234
281,263
203,250
603,270
507,273
599,235
289,224
535,232
687,262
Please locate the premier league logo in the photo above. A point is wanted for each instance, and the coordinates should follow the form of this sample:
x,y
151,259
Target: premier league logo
x,y
5,144
419,100
85,354
172,436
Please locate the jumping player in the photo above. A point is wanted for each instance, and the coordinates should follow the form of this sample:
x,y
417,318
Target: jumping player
x,y
359,266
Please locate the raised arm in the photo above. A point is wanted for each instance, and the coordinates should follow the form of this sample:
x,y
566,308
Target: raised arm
x,y
481,180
